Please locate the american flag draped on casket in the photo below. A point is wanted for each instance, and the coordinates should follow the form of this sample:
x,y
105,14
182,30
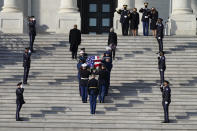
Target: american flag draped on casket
x,y
93,61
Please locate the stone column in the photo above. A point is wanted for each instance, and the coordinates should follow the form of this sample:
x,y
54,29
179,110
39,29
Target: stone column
x,y
194,6
10,6
140,4
11,17
68,16
182,20
117,24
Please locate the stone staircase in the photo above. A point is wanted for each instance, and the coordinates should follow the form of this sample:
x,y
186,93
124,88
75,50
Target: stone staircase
x,y
134,102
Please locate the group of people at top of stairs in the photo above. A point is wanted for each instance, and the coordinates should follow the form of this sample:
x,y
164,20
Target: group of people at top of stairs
x,y
26,64
90,66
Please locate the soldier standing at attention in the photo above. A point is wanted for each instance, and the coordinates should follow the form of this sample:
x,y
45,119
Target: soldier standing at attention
x,y
93,91
112,42
75,41
160,34
166,96
162,66
84,74
145,18
124,19
19,100
32,32
26,64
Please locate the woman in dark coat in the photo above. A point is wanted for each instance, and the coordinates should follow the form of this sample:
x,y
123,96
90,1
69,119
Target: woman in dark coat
x,y
154,18
134,21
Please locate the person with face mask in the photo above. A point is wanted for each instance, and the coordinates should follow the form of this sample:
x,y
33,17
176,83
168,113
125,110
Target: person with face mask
x,y
134,21
124,20
145,18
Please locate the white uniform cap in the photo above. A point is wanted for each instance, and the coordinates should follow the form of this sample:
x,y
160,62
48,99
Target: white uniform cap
x,y
81,52
84,65
108,48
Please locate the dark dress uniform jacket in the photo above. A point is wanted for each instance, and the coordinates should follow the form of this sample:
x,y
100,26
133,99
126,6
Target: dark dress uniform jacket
x,y
154,18
93,83
134,19
26,60
19,96
84,74
160,28
146,12
74,39
32,28
124,18
162,63
112,39
166,94
103,77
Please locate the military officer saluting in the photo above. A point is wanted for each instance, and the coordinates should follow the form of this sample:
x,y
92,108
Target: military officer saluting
x,y
160,34
93,91
32,31
26,64
84,74
124,19
161,66
166,96
19,100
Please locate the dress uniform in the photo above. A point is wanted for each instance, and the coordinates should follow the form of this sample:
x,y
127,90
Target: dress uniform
x,y
124,19
162,66
160,35
75,41
166,96
145,19
93,91
32,31
134,21
84,74
112,42
103,82
81,61
19,100
26,64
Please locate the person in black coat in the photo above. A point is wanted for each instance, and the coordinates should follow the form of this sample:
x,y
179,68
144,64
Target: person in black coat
x,y
124,20
93,92
134,21
161,66
166,100
75,41
145,18
160,35
19,100
26,64
112,42
32,31
154,18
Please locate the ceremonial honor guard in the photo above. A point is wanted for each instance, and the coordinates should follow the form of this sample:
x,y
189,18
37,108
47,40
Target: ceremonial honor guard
x,y
160,35
26,64
93,91
84,74
112,42
32,32
145,18
19,100
161,66
166,96
124,20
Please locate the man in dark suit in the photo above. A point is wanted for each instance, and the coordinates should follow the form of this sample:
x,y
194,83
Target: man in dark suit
x,y
26,64
112,42
161,66
124,20
32,31
160,34
19,100
166,100
75,41
145,18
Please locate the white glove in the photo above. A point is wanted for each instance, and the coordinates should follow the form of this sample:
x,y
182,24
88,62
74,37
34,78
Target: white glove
x,y
125,16
159,38
166,102
161,69
146,17
22,86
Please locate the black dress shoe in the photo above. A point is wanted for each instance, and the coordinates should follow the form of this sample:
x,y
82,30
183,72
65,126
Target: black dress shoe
x,y
165,122
19,120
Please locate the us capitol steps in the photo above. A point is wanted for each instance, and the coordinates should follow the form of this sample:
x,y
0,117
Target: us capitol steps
x,y
134,101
